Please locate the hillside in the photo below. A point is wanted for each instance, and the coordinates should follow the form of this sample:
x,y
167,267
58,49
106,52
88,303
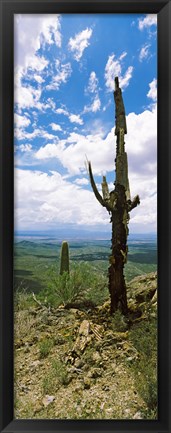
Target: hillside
x,y
78,362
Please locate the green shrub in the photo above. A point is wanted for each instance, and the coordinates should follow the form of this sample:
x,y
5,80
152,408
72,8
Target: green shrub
x,y
61,372
22,299
45,347
57,375
83,283
118,322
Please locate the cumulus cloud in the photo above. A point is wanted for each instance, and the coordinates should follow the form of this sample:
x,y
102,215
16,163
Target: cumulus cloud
x,y
144,52
62,111
141,147
21,121
55,127
22,134
52,200
153,90
25,96
36,63
82,181
78,44
113,69
75,118
140,144
30,31
148,21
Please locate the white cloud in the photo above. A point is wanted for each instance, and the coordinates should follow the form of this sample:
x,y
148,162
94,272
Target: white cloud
x,y
63,73
75,118
21,121
39,79
140,145
148,21
125,79
141,148
78,44
36,63
21,134
94,107
153,90
51,200
62,111
30,31
93,88
123,55
144,52
92,83
113,69
25,97
25,147
82,181
55,127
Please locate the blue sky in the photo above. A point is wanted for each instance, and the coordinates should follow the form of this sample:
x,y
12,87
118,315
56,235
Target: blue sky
x,y
64,112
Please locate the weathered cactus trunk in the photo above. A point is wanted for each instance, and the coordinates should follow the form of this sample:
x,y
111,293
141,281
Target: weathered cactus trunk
x,y
64,264
117,286
118,203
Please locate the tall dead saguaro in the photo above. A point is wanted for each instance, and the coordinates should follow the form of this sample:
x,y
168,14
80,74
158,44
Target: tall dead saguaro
x,y
118,203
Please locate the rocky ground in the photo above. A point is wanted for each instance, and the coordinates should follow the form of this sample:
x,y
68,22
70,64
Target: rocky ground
x,y
81,363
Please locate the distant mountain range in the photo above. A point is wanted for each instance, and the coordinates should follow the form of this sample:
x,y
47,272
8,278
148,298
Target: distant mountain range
x,y
80,234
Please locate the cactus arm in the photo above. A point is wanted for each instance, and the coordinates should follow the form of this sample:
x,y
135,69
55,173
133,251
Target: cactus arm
x,y
132,204
94,187
104,202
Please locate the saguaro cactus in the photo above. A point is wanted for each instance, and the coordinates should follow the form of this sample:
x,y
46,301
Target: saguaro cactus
x,y
118,203
64,264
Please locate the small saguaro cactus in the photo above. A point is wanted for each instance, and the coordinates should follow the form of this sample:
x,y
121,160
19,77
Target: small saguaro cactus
x,y
64,264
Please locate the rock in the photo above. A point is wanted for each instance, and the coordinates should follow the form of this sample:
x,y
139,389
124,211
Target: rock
x,y
78,387
87,382
106,388
48,399
78,363
38,408
27,348
83,337
96,357
137,415
35,364
84,328
94,373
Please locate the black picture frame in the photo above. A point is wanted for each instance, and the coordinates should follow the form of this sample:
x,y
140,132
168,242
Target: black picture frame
x,y
8,9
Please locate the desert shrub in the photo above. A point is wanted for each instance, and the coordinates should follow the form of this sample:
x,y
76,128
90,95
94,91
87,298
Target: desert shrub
x,y
22,299
56,376
61,372
45,347
118,322
83,282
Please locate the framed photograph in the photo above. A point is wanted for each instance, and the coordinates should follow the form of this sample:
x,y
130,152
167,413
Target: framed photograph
x,y
85,211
